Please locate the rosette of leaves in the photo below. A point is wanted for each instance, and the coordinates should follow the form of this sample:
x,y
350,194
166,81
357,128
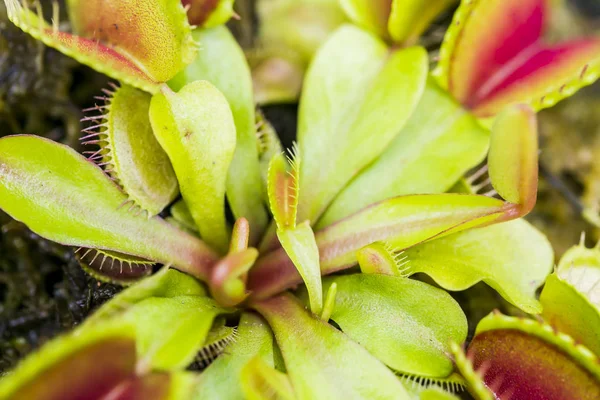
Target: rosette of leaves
x,y
388,333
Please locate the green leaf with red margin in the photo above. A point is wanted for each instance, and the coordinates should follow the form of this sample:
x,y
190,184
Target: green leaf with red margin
x,y
63,197
513,163
413,162
154,34
410,18
208,13
494,55
514,258
120,62
321,361
283,193
222,62
406,324
222,377
92,364
196,128
351,113
569,311
524,359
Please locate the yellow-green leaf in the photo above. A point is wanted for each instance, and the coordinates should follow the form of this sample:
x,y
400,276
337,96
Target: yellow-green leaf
x,y
196,128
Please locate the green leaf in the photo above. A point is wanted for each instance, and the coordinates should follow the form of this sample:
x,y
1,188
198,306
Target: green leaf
x,y
299,243
514,258
346,120
569,311
513,157
222,378
63,197
132,154
261,381
222,62
165,283
196,128
171,330
372,15
410,18
321,361
406,324
153,34
439,144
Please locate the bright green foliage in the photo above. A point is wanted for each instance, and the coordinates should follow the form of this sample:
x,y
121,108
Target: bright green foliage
x,y
321,361
260,381
254,339
135,159
571,312
413,162
514,258
63,197
222,63
299,243
197,130
409,18
347,119
406,324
